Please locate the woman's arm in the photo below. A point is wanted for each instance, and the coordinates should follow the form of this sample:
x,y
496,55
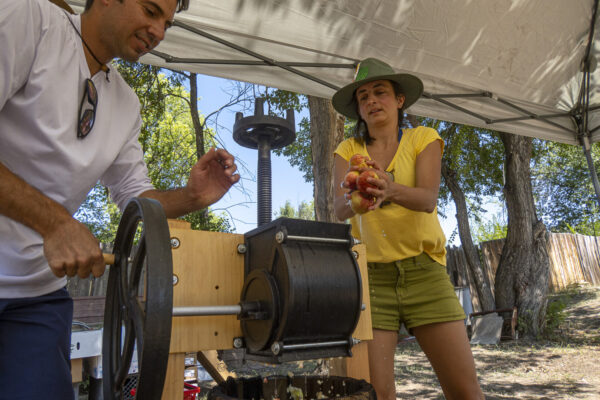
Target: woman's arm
x,y
341,204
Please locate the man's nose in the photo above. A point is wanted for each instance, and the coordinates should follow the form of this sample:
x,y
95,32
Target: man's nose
x,y
156,33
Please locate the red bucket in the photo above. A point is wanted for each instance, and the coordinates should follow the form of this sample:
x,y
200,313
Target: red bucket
x,y
190,391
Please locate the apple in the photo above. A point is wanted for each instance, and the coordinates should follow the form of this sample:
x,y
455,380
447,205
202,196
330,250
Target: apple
x,y
361,182
358,160
350,180
361,202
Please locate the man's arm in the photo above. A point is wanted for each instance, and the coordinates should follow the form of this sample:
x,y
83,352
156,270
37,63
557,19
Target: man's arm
x,y
210,178
69,246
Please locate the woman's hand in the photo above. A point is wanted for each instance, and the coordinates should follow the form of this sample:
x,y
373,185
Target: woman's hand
x,y
382,185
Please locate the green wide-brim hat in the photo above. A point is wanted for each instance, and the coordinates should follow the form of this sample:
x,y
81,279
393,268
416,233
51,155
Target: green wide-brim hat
x,y
372,69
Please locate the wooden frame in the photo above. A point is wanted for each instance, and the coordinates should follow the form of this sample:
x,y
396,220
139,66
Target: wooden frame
x,y
210,271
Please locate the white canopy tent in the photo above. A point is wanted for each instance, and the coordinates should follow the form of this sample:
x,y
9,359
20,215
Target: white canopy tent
x,y
520,66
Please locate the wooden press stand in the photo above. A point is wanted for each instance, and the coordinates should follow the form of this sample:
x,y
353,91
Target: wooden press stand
x,y
210,272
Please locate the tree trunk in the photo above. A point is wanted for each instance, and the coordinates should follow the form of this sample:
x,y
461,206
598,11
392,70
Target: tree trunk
x,y
198,127
326,132
484,292
523,271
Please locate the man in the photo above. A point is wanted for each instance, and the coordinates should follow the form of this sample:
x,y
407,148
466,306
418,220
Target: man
x,y
67,121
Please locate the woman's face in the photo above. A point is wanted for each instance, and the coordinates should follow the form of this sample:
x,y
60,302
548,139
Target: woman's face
x,y
377,102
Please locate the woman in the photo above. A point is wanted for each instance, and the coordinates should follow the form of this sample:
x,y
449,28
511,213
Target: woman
x,y
405,244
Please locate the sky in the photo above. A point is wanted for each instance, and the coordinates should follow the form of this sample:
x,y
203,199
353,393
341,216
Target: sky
x,y
288,183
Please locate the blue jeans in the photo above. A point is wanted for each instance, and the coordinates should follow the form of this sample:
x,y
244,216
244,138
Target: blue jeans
x,y
35,345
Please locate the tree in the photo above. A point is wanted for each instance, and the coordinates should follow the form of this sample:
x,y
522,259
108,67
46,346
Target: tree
x,y
298,153
326,133
491,230
564,194
467,167
523,271
315,143
305,210
168,141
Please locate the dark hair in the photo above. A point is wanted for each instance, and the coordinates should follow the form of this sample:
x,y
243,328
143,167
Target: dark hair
x,y
361,131
181,4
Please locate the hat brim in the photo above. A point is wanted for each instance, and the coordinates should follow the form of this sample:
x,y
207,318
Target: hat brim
x,y
345,103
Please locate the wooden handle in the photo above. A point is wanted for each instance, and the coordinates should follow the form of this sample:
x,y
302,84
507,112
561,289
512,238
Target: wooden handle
x,y
109,259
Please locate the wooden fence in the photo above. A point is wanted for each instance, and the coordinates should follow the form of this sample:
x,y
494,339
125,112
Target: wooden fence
x,y
573,259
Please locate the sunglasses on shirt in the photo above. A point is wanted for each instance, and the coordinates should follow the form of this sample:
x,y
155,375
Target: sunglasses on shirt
x,y
87,109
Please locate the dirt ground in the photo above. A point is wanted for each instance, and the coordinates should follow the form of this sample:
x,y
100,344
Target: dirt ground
x,y
565,364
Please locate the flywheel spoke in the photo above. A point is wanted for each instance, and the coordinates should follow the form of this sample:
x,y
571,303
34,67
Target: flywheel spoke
x,y
126,355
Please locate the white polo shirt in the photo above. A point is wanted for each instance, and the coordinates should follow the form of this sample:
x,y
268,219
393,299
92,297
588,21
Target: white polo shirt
x,y
42,75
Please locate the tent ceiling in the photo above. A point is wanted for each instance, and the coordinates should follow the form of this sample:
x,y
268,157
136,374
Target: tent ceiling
x,y
498,60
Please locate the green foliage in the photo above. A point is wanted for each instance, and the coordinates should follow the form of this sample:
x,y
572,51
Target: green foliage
x,y
298,153
524,324
286,210
491,230
472,160
305,210
100,214
564,194
556,313
208,221
555,316
280,100
475,157
169,144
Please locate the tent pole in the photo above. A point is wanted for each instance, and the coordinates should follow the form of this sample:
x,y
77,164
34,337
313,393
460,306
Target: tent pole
x,y
588,156
582,108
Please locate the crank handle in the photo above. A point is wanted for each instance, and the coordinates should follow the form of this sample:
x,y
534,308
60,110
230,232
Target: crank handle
x,y
109,259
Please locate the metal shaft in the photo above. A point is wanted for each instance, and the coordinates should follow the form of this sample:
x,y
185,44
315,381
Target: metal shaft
x,y
316,239
314,345
206,310
264,180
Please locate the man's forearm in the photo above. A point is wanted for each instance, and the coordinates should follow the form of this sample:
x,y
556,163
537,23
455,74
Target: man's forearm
x,y
23,203
176,202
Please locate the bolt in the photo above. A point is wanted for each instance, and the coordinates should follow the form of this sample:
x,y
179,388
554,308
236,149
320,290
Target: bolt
x,y
175,280
275,348
279,237
241,248
355,254
237,343
355,341
363,307
174,243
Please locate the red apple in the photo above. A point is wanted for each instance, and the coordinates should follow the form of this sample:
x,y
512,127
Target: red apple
x,y
361,182
358,160
350,180
361,202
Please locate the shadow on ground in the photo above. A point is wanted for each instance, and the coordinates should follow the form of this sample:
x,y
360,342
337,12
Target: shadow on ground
x,y
563,368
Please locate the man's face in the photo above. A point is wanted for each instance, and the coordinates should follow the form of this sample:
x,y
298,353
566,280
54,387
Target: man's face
x,y
134,27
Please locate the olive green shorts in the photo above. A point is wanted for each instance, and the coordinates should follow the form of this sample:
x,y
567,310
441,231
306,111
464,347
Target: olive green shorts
x,y
415,291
